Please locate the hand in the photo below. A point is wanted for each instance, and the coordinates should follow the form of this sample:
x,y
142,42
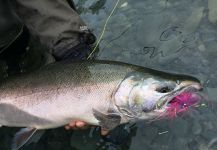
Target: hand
x,y
82,125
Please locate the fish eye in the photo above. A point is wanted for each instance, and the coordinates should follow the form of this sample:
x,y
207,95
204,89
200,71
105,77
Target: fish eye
x,y
165,88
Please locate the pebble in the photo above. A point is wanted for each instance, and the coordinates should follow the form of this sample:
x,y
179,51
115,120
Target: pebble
x,y
179,128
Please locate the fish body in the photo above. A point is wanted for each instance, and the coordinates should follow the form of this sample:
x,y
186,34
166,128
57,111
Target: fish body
x,y
57,94
103,93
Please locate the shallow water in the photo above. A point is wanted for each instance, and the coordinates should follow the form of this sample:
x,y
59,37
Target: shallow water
x,y
174,36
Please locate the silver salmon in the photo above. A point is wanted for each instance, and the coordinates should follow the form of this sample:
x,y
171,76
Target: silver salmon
x,y
102,93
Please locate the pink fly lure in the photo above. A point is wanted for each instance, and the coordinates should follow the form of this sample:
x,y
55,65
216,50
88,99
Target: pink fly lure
x,y
181,103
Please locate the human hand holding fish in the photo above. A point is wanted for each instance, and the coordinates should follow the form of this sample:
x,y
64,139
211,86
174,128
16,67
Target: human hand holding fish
x,y
74,125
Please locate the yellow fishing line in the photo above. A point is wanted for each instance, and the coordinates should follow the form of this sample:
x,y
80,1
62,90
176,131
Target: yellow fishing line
x,y
104,28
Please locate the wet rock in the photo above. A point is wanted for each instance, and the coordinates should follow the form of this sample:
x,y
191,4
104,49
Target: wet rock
x,y
212,15
209,134
193,145
179,127
212,93
179,144
196,128
162,139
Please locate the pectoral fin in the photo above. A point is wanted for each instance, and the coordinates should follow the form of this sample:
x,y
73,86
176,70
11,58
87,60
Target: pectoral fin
x,y
107,121
24,136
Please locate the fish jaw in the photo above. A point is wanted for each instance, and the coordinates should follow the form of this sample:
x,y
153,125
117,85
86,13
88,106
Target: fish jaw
x,y
185,87
191,85
141,97
180,101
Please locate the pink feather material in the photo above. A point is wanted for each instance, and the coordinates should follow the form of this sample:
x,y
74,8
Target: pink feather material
x,y
181,103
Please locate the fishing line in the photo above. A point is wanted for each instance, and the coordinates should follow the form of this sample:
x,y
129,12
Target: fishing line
x,y
103,30
14,39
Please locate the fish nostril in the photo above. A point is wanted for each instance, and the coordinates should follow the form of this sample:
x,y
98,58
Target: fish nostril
x,y
178,82
165,89
145,110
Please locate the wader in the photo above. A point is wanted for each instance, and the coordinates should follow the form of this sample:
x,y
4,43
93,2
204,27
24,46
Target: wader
x,y
56,24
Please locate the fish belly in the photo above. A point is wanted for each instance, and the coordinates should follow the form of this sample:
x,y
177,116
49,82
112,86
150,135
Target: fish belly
x,y
50,109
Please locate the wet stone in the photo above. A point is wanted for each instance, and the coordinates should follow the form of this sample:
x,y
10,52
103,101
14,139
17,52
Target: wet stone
x,y
162,124
212,11
209,134
179,127
212,145
196,128
138,141
162,140
179,144
193,145
203,146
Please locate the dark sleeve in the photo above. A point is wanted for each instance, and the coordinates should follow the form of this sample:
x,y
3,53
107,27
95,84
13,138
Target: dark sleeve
x,y
54,22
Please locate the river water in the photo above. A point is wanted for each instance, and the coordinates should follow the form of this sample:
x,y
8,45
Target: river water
x,y
168,35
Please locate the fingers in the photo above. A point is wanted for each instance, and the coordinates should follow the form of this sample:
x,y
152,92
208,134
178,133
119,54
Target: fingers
x,y
104,132
71,125
67,127
80,124
76,125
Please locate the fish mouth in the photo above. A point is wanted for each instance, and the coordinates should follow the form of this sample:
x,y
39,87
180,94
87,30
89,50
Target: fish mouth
x,y
170,98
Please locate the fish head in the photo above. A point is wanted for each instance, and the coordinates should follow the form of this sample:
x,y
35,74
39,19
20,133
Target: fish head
x,y
148,96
